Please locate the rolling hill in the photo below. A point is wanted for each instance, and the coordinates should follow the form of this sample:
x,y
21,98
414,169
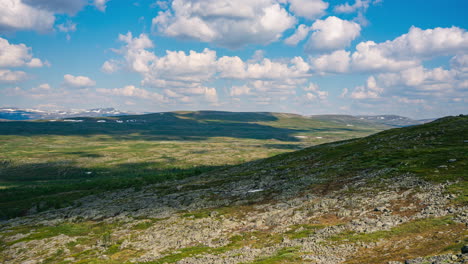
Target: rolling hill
x,y
19,114
398,195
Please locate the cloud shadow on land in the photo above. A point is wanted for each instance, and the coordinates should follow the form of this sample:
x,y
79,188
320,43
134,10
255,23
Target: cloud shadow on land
x,y
161,126
58,184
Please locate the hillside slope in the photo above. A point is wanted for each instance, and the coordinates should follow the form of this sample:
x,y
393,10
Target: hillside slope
x,y
398,195
35,114
197,126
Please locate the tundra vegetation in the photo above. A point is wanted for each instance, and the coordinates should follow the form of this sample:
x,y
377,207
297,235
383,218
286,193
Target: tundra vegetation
x,y
47,164
210,187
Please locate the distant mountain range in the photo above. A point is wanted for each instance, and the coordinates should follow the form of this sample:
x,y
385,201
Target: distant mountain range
x,y
34,114
386,120
18,114
394,120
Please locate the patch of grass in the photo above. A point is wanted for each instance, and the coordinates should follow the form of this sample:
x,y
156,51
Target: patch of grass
x,y
147,223
114,254
142,226
302,230
113,249
285,255
456,246
406,229
89,229
181,254
197,214
53,259
414,239
256,239
459,189
233,211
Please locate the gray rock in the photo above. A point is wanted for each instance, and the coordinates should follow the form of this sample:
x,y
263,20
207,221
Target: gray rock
x,y
382,209
464,249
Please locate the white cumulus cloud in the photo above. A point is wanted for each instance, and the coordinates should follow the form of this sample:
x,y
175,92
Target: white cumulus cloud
x,y
101,5
17,55
44,86
12,76
410,49
67,27
347,8
38,15
110,66
78,81
416,82
231,24
179,66
132,91
310,9
15,15
427,43
70,7
180,73
370,91
135,52
240,90
314,92
359,6
404,52
301,33
336,62
183,75
370,56
332,33
422,79
235,68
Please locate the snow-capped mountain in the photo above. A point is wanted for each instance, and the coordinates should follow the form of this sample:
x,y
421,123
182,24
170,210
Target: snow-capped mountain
x,y
392,120
31,114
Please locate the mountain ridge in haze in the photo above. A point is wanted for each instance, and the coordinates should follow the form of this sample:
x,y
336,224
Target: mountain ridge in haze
x,y
23,114
12,113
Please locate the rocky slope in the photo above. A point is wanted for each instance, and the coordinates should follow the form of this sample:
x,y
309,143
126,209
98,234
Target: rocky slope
x,y
399,196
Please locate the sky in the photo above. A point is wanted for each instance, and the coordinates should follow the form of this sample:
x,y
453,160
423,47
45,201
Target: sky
x,y
359,57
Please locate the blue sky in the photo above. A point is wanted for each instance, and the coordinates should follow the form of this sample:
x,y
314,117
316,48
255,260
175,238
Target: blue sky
x,y
302,56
